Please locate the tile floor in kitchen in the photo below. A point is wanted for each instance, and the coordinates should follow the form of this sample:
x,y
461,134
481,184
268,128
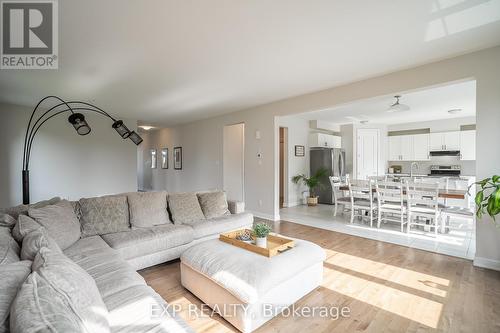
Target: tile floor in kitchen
x,y
458,242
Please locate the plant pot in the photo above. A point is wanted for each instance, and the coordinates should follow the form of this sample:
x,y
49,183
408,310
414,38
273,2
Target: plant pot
x,y
261,242
312,201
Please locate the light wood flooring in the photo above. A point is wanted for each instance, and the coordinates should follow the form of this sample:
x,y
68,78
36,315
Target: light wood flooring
x,y
387,287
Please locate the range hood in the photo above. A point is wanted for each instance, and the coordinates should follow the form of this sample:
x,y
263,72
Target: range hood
x,y
445,153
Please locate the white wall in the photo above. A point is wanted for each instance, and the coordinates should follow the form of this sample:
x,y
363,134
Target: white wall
x,y
203,138
233,167
298,134
62,162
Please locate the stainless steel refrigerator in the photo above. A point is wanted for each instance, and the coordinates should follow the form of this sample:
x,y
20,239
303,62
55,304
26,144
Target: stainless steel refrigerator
x,y
333,160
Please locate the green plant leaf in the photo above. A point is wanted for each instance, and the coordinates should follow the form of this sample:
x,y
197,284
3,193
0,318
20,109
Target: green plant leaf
x,y
479,198
495,178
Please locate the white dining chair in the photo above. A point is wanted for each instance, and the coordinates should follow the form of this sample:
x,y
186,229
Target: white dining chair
x,y
361,194
390,203
338,196
423,202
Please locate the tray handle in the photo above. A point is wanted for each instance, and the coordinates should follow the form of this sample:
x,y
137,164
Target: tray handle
x,y
288,248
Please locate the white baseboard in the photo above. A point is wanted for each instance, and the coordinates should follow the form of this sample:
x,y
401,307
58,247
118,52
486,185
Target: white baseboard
x,y
487,263
264,215
292,204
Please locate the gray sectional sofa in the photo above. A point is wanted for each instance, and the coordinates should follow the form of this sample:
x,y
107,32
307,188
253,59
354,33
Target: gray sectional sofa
x,y
57,255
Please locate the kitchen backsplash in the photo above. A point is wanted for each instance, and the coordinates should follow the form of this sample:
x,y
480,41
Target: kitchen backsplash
x,y
468,167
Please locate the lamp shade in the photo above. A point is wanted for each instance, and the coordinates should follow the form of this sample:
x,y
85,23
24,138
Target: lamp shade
x,y
135,138
120,127
79,123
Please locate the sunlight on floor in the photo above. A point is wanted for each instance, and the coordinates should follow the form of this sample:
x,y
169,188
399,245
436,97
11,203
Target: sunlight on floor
x,y
411,299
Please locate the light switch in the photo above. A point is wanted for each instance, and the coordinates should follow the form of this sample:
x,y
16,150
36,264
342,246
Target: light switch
x,y
257,134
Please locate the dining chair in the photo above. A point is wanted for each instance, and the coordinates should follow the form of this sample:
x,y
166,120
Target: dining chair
x,y
338,196
390,202
361,195
423,201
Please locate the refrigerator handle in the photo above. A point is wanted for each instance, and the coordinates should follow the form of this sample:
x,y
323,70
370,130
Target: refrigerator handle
x,y
341,165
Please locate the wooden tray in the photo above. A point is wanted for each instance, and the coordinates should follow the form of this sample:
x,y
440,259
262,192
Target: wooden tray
x,y
275,244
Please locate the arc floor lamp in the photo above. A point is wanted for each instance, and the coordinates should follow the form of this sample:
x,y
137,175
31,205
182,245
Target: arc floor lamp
x,y
76,119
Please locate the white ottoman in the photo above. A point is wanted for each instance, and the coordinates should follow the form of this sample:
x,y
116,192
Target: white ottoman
x,y
248,289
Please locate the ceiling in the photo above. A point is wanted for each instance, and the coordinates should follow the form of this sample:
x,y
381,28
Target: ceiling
x,y
425,105
171,62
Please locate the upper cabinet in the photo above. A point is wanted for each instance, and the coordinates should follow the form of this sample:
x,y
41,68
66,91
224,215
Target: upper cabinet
x,y
445,141
468,145
324,140
409,147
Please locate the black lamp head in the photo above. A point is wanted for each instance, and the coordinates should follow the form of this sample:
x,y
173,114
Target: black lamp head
x,y
135,138
120,127
79,123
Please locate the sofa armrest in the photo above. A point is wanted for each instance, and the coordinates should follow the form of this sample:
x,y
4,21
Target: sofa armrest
x,y
235,207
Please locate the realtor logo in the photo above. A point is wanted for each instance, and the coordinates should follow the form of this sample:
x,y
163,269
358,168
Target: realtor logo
x,y
29,35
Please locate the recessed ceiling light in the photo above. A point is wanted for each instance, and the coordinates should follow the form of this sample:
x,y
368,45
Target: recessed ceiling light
x,y
145,127
454,111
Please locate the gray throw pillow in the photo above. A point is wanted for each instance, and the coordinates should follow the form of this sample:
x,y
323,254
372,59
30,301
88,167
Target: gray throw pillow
x,y
12,276
23,209
104,215
59,293
9,249
60,221
7,221
24,226
34,241
185,208
147,209
213,204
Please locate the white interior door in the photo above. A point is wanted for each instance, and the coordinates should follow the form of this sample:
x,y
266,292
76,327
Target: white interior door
x,y
367,153
233,166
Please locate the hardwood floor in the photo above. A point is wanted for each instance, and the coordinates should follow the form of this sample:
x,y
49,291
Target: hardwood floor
x,y
387,287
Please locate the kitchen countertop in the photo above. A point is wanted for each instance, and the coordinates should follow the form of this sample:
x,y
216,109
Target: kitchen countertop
x,y
464,177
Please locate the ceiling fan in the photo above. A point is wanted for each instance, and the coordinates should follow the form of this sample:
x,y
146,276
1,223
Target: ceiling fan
x,y
398,107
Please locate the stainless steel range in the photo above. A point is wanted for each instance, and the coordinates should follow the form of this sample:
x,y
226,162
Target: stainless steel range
x,y
445,170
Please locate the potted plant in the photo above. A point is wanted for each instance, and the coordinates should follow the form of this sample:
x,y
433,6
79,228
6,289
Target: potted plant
x,y
312,183
488,197
260,232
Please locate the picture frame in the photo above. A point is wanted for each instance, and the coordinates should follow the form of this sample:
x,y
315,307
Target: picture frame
x,y
152,153
300,151
164,158
178,158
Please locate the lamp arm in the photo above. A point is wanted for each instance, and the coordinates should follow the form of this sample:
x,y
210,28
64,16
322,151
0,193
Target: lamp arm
x,y
35,130
26,136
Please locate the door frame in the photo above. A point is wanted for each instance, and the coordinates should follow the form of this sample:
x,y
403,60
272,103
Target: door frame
x,y
283,167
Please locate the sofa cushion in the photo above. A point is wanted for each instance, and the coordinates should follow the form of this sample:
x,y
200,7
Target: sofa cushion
x,y
60,221
12,276
24,226
104,215
23,209
76,286
144,241
9,249
7,221
110,272
34,241
213,204
222,224
140,308
147,209
185,208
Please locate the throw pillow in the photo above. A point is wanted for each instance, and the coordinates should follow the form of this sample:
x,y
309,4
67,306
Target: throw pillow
x,y
185,208
147,209
23,209
34,241
7,221
24,226
213,204
9,249
60,221
12,276
66,295
104,215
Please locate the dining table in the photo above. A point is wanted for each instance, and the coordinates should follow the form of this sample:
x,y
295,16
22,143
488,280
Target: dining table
x,y
443,193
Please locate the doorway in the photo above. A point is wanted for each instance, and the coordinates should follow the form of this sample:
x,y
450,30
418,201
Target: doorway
x,y
233,166
367,154
283,159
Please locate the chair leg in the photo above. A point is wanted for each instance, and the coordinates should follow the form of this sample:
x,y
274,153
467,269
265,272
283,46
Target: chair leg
x,y
379,218
352,215
335,209
402,222
371,218
408,223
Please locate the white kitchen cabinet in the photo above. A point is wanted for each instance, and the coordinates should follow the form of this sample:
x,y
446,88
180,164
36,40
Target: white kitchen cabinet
x,y
420,147
324,140
468,145
409,147
445,141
